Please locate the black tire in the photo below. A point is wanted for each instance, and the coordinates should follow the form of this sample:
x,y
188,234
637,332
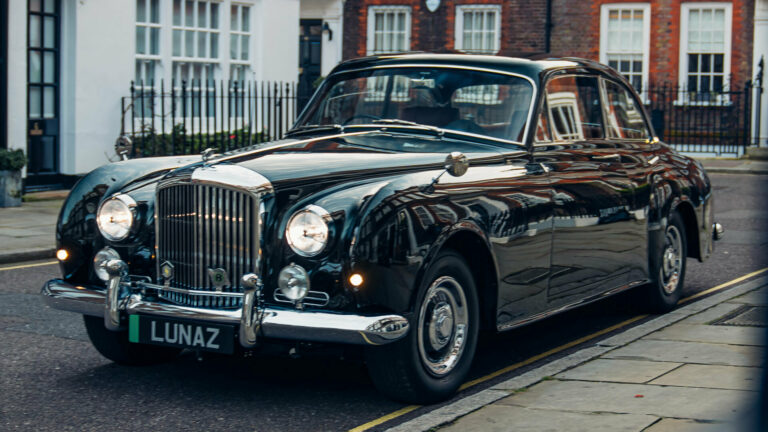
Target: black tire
x,y
667,272
405,373
114,345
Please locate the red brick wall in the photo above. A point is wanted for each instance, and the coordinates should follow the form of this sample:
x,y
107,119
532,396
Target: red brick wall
x,y
522,25
576,32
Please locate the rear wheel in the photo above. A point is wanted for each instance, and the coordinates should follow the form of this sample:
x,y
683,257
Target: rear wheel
x,y
115,346
667,267
431,362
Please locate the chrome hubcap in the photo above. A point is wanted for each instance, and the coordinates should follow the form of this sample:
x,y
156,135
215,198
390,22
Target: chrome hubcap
x,y
442,327
671,260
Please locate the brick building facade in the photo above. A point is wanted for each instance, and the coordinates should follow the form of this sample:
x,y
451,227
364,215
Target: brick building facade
x,y
691,42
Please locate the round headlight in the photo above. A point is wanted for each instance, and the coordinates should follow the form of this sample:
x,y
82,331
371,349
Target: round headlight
x,y
307,231
293,282
100,260
116,216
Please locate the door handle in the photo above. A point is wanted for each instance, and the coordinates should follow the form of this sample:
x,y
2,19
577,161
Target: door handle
x,y
609,157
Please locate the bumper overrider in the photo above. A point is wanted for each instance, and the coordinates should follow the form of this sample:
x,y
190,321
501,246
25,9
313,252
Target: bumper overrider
x,y
122,298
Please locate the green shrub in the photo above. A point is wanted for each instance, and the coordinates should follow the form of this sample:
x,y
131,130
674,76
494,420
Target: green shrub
x,y
12,160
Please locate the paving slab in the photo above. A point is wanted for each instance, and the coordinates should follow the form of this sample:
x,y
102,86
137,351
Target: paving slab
x,y
680,425
712,314
754,298
612,370
498,418
690,352
713,376
733,335
596,397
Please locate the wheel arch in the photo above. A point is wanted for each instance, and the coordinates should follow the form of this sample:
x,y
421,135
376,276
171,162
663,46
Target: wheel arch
x,y
472,245
685,208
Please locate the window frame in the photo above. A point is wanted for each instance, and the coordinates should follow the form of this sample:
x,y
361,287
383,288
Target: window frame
x,y
640,106
147,64
371,27
685,11
544,105
458,41
605,10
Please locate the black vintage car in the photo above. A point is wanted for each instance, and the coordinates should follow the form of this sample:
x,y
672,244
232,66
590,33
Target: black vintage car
x,y
417,200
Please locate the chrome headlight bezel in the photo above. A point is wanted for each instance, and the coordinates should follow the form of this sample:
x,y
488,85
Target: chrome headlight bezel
x,y
322,218
130,208
100,260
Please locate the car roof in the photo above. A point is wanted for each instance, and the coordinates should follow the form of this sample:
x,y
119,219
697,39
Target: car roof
x,y
529,67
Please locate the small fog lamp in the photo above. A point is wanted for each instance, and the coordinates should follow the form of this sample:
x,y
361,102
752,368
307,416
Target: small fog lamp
x,y
100,261
62,254
356,279
293,282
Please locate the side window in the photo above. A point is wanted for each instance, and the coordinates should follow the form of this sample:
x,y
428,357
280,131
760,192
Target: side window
x,y
542,126
624,116
573,106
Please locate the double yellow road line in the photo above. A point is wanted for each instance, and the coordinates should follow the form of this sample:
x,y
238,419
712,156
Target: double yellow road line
x,y
410,408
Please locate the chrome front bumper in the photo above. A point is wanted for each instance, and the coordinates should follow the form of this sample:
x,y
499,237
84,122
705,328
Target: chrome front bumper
x,y
116,302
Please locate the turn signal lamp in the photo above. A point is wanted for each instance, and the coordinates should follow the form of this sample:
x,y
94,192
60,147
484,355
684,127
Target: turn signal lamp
x,y
62,254
356,280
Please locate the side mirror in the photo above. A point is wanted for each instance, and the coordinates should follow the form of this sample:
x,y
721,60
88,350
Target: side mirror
x,y
456,164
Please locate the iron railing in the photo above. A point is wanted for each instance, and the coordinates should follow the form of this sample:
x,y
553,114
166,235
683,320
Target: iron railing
x,y
186,118
717,122
189,117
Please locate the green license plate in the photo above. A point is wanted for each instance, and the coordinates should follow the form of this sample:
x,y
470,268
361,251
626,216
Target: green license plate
x,y
182,334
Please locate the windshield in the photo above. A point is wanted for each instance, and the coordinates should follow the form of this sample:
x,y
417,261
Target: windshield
x,y
468,101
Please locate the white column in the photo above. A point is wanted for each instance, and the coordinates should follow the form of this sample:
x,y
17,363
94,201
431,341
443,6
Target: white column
x,y
17,76
760,50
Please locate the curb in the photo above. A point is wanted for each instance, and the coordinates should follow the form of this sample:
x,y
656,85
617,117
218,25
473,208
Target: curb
x,y
451,412
726,170
28,255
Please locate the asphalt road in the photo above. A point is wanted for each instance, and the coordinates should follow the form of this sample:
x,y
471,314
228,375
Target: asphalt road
x,y
52,379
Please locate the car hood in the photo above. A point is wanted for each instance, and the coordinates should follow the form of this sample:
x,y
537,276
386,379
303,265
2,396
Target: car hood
x,y
354,155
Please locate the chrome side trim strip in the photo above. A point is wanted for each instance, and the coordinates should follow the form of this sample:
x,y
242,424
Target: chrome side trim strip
x,y
273,322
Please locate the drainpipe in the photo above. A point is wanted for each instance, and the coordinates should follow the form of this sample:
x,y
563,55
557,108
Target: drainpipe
x,y
548,28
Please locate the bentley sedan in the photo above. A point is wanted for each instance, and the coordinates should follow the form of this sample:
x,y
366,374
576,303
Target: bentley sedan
x,y
417,200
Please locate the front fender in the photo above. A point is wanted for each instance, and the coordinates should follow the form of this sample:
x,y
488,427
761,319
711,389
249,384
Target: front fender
x,y
76,229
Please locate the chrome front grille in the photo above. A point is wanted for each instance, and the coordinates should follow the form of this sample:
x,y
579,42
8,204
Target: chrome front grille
x,y
202,227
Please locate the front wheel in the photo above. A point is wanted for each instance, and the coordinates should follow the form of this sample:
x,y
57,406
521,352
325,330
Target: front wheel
x,y
115,346
667,267
431,362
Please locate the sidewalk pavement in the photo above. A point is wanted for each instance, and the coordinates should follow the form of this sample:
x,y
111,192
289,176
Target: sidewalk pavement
x,y
697,368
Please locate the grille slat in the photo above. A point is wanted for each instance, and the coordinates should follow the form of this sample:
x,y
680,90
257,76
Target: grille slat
x,y
204,227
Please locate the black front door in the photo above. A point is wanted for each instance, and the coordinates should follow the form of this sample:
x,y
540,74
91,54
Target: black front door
x,y
310,55
3,73
43,93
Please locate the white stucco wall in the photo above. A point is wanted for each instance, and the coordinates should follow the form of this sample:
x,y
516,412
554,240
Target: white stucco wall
x,y
97,60
17,75
97,64
331,12
277,40
761,50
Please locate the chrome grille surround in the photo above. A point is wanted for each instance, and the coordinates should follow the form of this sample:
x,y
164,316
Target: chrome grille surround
x,y
211,219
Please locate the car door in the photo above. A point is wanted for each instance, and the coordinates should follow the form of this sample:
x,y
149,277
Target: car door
x,y
591,192
627,127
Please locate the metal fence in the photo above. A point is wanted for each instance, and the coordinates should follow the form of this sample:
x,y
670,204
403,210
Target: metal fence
x,y
186,118
189,117
717,122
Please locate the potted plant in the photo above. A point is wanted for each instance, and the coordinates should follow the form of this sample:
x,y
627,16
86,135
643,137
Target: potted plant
x,y
11,163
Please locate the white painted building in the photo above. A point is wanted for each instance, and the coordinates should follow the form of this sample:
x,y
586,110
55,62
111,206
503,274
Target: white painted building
x,y
62,95
761,52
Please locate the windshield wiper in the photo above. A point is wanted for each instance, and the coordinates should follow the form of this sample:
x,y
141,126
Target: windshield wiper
x,y
315,128
398,122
